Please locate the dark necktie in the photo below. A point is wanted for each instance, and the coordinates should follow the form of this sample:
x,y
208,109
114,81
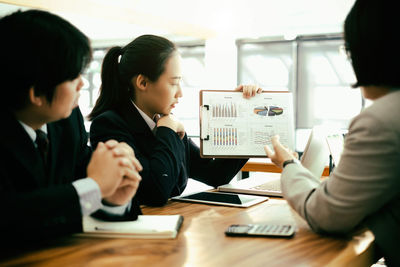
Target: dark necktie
x,y
155,119
42,143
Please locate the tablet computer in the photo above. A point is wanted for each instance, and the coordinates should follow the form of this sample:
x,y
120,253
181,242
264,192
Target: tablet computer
x,y
225,199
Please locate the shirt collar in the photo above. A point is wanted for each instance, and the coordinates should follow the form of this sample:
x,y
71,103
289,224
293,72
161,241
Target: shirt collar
x,y
150,122
29,130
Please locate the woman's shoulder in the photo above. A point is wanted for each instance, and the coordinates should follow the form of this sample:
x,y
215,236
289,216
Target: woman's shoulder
x,y
109,119
106,115
383,112
389,103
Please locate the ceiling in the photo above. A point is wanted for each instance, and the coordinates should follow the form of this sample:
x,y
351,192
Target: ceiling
x,y
192,19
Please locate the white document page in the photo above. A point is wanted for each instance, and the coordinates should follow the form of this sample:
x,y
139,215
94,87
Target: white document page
x,y
235,126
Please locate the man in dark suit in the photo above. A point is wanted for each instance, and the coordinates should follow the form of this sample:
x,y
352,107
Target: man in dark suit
x,y
49,177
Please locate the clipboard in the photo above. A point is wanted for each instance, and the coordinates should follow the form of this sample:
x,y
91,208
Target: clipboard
x,y
232,126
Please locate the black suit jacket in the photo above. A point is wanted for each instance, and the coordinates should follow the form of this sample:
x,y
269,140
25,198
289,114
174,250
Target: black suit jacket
x,y
35,205
167,160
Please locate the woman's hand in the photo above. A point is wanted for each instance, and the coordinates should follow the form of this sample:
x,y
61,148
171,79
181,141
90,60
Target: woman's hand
x,y
281,153
171,122
249,90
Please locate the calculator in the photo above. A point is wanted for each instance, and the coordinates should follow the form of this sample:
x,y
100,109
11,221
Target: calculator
x,y
268,230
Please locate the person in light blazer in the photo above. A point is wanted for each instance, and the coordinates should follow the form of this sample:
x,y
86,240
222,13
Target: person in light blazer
x,y
140,82
49,176
364,189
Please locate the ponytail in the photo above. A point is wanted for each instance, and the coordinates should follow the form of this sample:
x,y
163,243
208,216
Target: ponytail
x,y
146,55
112,91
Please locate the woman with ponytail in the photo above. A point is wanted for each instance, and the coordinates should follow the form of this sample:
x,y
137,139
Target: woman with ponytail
x,y
140,82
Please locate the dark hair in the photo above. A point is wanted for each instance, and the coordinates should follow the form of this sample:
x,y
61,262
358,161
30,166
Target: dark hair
x,y
39,50
145,55
371,37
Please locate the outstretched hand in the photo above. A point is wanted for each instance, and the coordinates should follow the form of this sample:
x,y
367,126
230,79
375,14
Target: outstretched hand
x,y
280,153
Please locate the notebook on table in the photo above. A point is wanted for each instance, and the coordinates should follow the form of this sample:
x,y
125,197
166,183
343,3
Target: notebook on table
x,y
146,226
315,157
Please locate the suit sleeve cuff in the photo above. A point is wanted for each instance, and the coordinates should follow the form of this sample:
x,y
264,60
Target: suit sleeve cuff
x,y
117,210
89,195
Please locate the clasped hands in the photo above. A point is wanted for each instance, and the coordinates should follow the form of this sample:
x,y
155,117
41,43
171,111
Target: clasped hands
x,y
116,170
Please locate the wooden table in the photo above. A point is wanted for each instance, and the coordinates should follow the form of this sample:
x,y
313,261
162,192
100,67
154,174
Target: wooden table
x,y
201,242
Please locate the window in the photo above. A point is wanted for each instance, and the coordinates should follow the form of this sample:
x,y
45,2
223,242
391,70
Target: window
x,y
269,64
92,82
313,69
324,77
193,73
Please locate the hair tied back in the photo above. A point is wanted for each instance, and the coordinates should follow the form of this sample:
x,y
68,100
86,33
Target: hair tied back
x,y
120,54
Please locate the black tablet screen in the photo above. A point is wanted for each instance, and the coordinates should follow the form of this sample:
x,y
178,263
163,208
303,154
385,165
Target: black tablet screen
x,y
216,197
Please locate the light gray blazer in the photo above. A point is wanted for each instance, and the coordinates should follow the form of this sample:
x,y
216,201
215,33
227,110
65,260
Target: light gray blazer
x,y
364,188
